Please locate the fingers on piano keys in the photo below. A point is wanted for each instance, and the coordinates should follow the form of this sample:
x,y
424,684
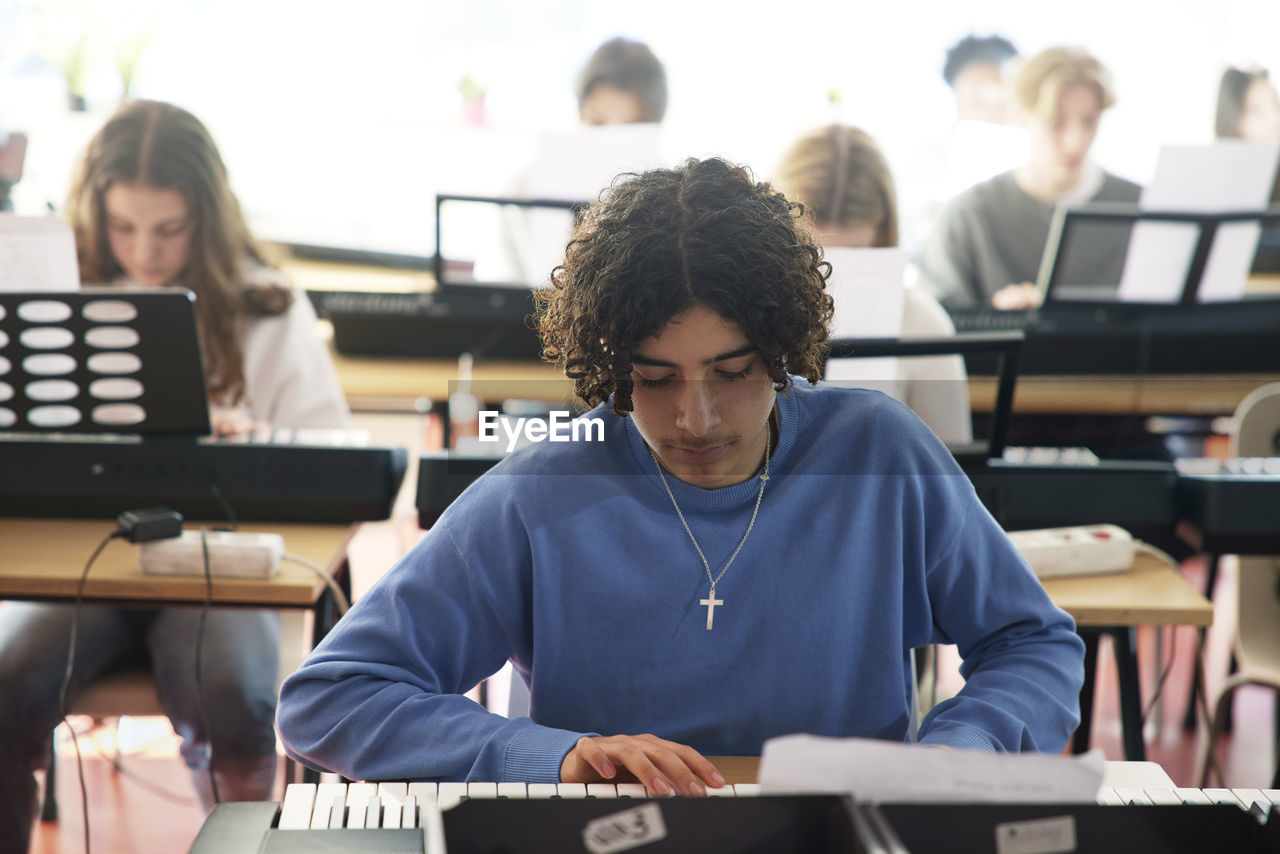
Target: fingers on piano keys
x,y
312,806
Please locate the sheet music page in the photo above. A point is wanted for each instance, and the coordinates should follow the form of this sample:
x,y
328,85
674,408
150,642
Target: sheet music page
x,y
575,165
875,770
37,254
867,286
1230,175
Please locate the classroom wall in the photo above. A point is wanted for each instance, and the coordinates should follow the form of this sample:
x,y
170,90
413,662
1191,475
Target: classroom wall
x,y
323,106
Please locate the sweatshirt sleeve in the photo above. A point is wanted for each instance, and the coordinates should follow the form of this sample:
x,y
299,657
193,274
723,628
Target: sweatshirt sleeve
x,y
381,697
1023,661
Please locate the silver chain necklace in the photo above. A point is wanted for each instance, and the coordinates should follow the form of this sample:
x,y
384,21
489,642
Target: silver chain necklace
x,y
711,601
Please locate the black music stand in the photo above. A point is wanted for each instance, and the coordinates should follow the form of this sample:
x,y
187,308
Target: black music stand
x,y
442,267
1067,220
102,360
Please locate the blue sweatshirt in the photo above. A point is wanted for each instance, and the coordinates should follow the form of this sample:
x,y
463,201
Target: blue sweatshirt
x,y
569,560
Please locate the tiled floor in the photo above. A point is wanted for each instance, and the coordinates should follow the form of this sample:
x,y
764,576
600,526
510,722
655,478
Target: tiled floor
x,y
128,814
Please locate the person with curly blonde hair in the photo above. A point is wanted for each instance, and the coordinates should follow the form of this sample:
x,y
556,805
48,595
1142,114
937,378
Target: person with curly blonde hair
x,y
734,554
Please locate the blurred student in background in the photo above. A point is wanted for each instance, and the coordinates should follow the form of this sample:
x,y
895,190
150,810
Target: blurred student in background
x,y
1248,106
622,83
841,177
980,141
152,207
1249,109
13,154
975,70
987,246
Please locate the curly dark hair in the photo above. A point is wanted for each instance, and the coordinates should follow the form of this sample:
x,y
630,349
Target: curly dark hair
x,y
659,243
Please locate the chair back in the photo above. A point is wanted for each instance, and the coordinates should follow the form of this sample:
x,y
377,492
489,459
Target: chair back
x,y
1255,432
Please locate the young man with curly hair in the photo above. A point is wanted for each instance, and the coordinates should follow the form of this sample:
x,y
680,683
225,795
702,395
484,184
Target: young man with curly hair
x,y
744,555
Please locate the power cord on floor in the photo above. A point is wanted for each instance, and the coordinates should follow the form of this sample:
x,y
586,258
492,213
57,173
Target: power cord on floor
x,y
70,668
1201,698
199,672
1164,674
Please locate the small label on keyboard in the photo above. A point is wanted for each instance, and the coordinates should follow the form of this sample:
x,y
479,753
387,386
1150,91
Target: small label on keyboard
x,y
622,831
1039,836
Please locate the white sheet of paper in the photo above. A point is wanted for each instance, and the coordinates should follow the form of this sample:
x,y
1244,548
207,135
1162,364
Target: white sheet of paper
x,y
575,165
884,771
1229,175
37,254
867,286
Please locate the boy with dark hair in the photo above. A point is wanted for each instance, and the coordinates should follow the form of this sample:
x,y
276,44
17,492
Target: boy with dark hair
x,y
740,554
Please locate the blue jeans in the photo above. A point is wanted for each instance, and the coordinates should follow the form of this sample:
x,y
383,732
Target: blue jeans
x,y
241,650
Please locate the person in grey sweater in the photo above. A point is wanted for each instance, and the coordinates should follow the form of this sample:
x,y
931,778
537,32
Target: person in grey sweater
x,y
989,241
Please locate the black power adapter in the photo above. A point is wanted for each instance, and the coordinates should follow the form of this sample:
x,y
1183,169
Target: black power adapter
x,y
152,523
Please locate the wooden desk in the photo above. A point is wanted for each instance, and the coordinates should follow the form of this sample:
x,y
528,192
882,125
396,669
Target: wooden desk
x,y
44,559
1152,593
395,384
1190,394
381,383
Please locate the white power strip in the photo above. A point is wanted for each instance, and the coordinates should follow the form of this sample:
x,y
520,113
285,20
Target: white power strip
x,y
1082,550
231,554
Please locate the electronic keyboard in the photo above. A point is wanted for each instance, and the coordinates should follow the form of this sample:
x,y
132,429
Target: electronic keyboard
x,y
305,476
536,817
1234,502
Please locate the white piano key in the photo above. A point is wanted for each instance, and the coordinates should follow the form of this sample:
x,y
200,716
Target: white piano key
x,y
482,790
1273,795
329,796
513,790
422,791
722,792
571,790
601,790
632,790
1193,796
1131,795
746,789
356,812
1224,796
449,795
395,790
295,812
338,813
359,793
1108,797
373,813
1253,800
409,812
542,790
1163,797
392,795
432,826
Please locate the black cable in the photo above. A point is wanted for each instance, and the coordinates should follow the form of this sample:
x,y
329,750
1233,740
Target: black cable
x,y
66,677
1164,673
230,512
204,613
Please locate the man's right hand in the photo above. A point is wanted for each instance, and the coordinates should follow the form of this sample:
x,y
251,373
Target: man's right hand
x,y
1014,297
664,767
